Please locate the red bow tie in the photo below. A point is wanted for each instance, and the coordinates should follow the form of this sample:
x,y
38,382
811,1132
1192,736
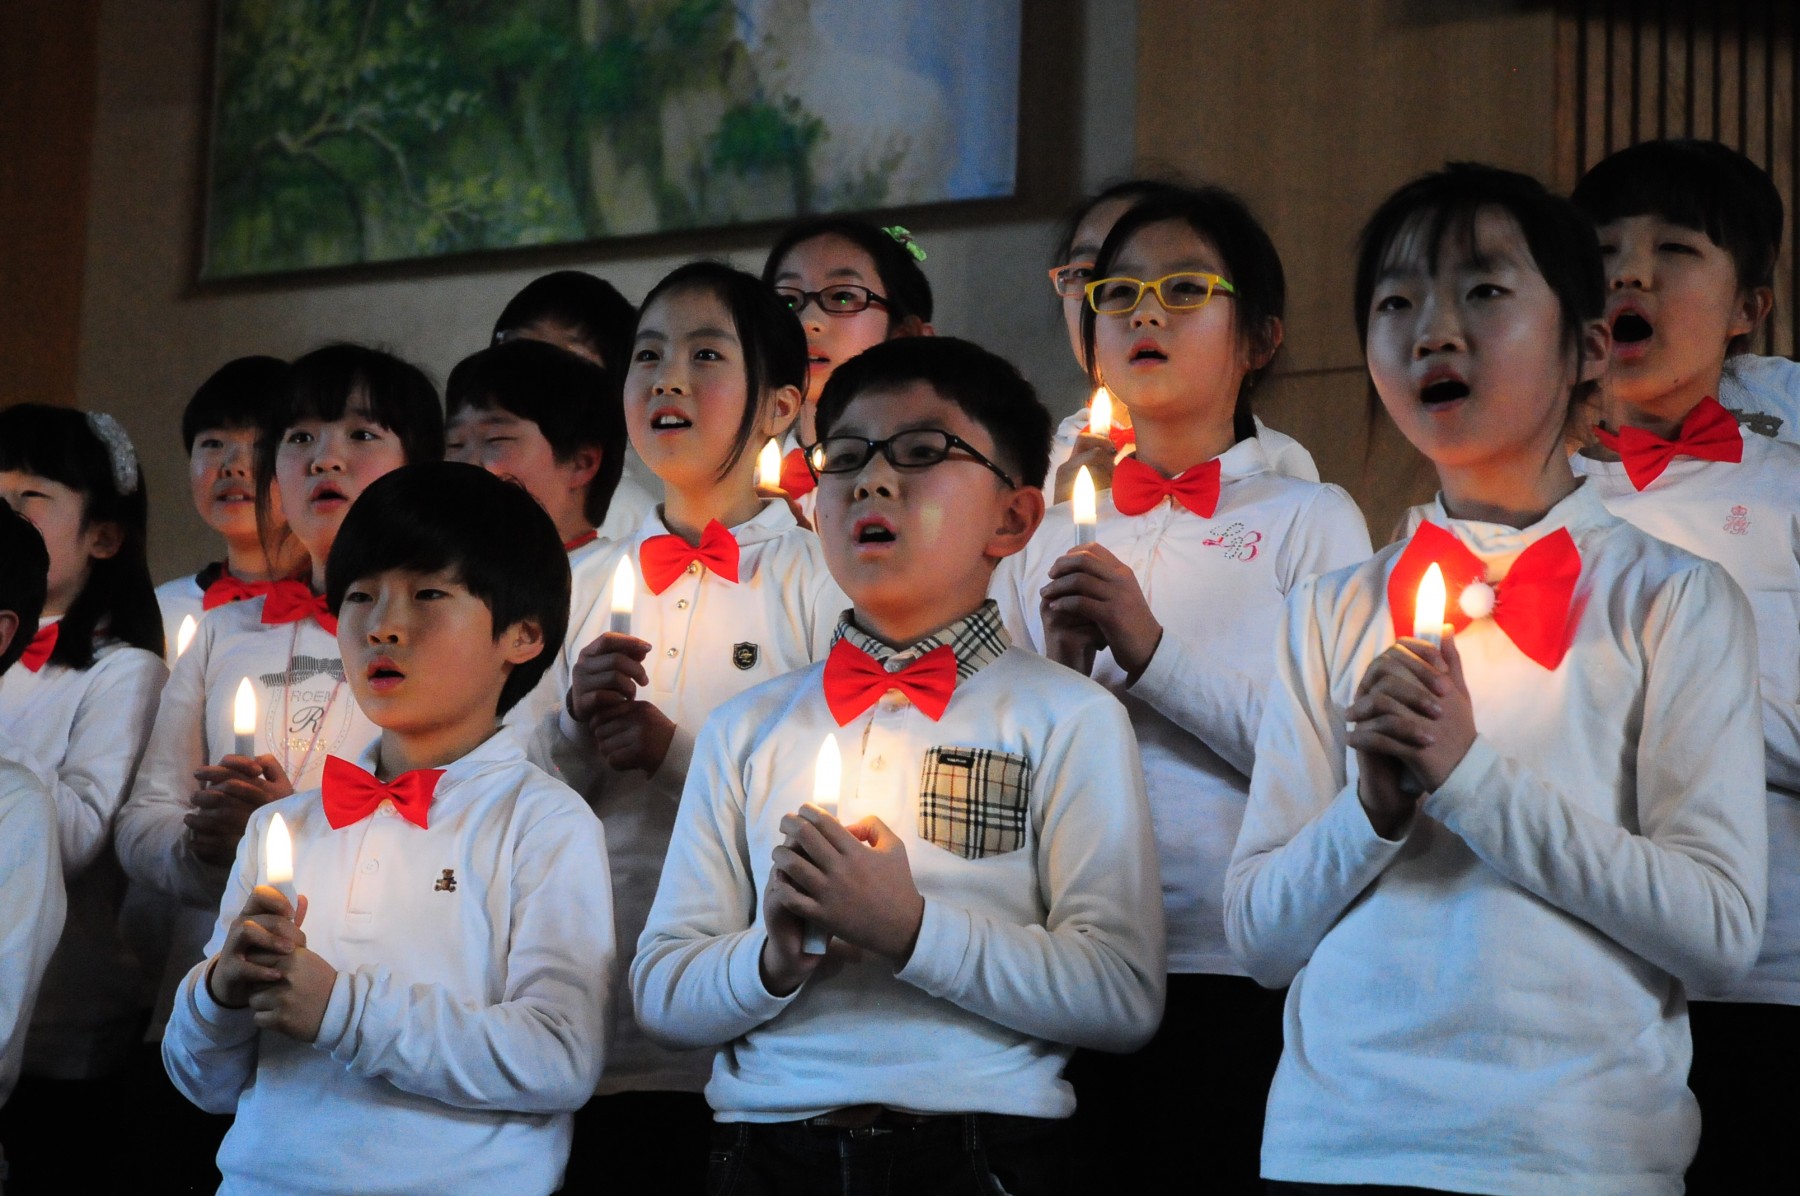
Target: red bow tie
x,y
796,478
351,794
37,652
1531,604
1138,488
855,681
584,539
291,601
663,558
1121,437
229,589
1709,433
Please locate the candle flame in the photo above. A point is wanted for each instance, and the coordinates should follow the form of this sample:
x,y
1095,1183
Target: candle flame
x,y
185,634
828,775
624,591
768,466
278,850
1100,412
1428,607
243,709
1084,498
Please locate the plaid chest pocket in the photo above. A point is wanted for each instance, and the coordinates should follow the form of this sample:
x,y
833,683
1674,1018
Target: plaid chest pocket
x,y
973,801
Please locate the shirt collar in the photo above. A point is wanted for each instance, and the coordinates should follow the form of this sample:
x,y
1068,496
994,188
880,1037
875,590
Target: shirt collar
x,y
1579,512
773,520
497,749
978,639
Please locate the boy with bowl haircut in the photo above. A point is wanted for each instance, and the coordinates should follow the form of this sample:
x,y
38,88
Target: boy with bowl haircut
x,y
989,885
434,1023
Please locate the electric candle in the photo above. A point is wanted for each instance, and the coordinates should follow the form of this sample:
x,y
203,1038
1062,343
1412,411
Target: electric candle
x,y
243,719
768,466
1100,413
828,776
184,635
1428,608
278,858
1085,517
624,594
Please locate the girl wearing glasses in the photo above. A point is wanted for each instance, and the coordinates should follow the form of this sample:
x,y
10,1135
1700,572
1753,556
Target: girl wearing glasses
x,y
730,591
852,285
1173,607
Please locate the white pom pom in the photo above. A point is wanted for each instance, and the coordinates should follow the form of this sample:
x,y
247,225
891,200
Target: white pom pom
x,y
1477,600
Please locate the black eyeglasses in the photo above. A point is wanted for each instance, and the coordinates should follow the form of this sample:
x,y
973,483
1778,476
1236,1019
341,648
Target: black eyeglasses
x,y
920,448
841,299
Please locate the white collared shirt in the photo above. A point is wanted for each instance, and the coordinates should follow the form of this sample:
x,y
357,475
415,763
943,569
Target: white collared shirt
x,y
31,901
1764,394
1286,455
1494,1002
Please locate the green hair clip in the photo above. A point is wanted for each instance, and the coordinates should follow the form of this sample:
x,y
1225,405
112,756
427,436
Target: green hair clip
x,y
906,242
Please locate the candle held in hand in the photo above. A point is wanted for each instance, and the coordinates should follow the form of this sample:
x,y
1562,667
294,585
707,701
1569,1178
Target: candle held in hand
x,y
624,594
1100,413
768,466
243,719
1428,607
278,858
184,635
827,784
1084,503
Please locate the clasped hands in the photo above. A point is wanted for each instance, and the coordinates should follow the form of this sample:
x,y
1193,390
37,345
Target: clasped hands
x,y
230,791
1411,719
265,966
628,733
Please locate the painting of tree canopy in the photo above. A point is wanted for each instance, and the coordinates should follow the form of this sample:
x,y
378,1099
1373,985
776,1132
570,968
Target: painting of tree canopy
x,y
358,131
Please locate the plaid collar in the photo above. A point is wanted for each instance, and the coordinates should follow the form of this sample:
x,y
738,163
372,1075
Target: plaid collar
x,y
978,639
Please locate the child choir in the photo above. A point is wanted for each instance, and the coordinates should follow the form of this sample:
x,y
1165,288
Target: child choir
x,y
877,829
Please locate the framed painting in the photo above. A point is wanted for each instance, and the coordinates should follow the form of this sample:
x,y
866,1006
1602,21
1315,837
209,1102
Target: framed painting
x,y
353,132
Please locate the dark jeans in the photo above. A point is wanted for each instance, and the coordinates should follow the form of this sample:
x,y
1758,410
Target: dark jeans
x,y
631,1142
1743,1077
978,1154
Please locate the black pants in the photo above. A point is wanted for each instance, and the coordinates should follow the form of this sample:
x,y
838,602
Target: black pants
x,y
1744,1077
633,1142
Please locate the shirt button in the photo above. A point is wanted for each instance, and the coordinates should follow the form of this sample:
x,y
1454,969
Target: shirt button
x,y
878,763
681,604
694,567
370,867
673,652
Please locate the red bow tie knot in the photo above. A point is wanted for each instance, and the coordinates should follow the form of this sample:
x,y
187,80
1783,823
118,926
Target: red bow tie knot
x,y
1709,433
1531,604
351,794
1138,488
37,652
1122,438
291,601
796,478
855,681
664,558
230,589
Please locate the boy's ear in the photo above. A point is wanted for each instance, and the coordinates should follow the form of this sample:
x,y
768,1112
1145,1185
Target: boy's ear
x,y
1595,351
1020,514
104,540
782,407
910,326
522,641
9,627
1754,306
584,463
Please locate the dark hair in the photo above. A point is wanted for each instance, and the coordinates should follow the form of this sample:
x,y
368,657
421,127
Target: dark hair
x,y
590,306
237,395
445,515
1447,202
119,600
24,571
1702,185
773,341
1137,190
988,388
574,403
903,284
1251,265
400,398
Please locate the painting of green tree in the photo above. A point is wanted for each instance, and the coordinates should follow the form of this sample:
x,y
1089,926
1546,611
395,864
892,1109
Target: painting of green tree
x,y
355,131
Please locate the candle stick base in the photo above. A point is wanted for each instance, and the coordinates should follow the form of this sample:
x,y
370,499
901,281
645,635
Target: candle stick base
x,y
815,940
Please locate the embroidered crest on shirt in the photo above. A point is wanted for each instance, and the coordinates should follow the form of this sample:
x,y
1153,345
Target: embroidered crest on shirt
x,y
1738,522
1237,542
304,668
445,883
744,655
1760,422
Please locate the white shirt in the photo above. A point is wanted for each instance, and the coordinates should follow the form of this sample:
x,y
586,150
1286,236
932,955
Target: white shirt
x,y
1021,955
1745,516
711,640
305,711
31,901
1286,455
1494,1003
468,1017
587,584
1764,394
179,598
1216,585
632,502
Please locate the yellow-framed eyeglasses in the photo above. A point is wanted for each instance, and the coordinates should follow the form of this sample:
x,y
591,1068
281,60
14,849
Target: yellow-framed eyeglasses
x,y
1186,291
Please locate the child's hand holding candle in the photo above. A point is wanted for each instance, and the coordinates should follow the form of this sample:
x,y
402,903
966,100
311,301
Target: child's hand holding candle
x,y
243,719
827,786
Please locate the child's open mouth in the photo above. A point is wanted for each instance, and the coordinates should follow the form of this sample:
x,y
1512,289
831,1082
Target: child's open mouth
x,y
328,494
1147,351
873,530
669,421
1444,390
384,674
1631,328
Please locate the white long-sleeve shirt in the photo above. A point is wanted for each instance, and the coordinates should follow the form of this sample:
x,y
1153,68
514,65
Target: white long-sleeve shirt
x,y
305,711
467,1021
1052,942
1745,516
1764,394
1216,585
1495,1001
587,585
31,901
82,732
710,640
179,598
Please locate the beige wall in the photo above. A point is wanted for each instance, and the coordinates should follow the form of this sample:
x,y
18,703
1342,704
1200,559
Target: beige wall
x,y
149,337
1314,110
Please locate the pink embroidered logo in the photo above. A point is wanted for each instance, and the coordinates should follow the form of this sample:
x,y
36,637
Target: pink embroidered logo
x,y
1738,522
1237,543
